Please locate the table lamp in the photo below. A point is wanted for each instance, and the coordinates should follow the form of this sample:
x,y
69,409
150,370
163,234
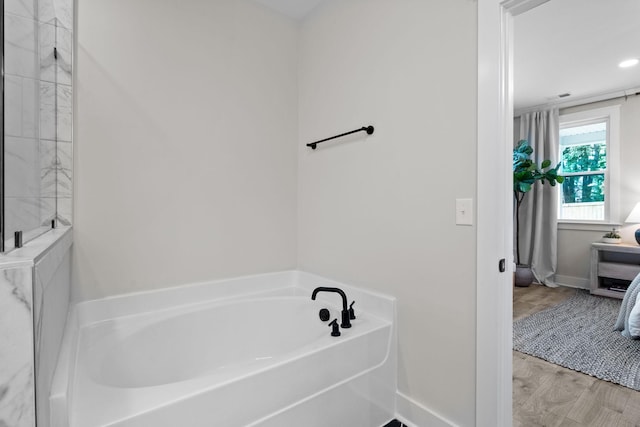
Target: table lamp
x,y
634,217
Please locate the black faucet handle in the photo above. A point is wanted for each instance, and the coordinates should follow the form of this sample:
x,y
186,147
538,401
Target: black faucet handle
x,y
352,313
335,331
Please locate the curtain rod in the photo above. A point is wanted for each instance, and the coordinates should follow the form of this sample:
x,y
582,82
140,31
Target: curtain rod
x,y
581,101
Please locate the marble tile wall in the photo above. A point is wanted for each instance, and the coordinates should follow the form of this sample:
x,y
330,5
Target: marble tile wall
x,y
21,117
51,291
56,96
38,113
35,283
17,400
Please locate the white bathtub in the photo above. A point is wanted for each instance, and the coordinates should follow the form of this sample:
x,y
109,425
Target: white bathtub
x,y
250,351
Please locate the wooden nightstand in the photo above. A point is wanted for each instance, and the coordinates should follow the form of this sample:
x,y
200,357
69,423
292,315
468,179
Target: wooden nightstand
x,y
611,266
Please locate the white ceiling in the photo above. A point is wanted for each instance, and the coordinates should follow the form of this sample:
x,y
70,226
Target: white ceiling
x,y
562,46
574,46
296,9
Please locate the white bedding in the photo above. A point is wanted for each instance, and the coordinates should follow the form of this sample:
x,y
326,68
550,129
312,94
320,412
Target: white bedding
x,y
629,317
634,319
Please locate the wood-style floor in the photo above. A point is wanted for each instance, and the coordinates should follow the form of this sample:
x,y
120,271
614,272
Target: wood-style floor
x,y
549,395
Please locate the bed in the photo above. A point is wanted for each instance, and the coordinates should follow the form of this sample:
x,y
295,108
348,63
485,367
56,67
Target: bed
x,y
629,317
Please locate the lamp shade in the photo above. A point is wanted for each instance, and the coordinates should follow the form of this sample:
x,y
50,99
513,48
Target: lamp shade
x,y
634,216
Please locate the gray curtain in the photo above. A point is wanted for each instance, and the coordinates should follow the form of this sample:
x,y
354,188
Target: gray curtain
x,y
539,211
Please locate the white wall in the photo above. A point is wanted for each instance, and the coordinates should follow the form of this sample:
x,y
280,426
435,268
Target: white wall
x,y
190,159
378,211
186,126
574,245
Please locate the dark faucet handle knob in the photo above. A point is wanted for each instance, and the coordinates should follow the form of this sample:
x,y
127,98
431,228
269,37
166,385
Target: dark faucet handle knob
x,y
335,331
324,314
352,314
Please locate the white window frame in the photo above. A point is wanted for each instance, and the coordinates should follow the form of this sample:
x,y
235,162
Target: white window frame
x,y
612,174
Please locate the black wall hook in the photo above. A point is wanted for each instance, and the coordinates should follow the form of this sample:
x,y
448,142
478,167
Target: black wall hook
x,y
369,129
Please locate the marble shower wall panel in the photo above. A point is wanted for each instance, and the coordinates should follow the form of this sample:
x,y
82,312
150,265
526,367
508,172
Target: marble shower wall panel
x,y
21,213
64,42
47,60
47,111
23,179
25,8
48,209
21,117
56,94
55,70
64,159
64,170
38,110
56,11
22,155
51,290
64,211
21,98
17,401
13,96
20,46
64,182
48,168
55,97
56,30
64,103
55,152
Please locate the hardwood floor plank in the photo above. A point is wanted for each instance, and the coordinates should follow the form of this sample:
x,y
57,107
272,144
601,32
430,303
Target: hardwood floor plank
x,y
607,417
524,309
609,395
631,410
566,389
537,419
568,422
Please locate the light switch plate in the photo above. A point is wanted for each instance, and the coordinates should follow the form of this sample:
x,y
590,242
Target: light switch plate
x,y
464,211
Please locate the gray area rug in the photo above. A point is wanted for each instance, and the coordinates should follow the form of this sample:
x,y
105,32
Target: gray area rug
x,y
578,334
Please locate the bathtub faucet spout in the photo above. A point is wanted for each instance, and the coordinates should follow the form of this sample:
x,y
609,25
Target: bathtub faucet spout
x,y
346,322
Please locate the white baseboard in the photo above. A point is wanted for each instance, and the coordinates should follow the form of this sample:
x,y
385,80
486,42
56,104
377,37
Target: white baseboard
x,y
572,282
414,414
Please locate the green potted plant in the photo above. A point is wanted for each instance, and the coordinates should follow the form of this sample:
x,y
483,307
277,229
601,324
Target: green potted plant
x,y
612,237
525,174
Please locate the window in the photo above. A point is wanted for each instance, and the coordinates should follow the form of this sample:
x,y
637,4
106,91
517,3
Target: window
x,y
588,150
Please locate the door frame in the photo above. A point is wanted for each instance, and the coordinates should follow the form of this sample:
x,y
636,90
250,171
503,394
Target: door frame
x,y
494,289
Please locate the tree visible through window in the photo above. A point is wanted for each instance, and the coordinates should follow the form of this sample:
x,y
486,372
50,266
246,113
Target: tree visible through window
x,y
583,151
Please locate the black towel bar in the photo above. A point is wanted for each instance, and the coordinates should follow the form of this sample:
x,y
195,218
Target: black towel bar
x,y
368,129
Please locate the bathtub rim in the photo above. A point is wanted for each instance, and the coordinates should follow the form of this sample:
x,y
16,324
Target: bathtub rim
x,y
151,300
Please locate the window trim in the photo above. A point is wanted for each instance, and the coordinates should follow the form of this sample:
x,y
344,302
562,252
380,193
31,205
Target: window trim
x,y
612,173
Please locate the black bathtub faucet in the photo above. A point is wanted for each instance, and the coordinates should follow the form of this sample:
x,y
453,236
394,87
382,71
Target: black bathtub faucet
x,y
346,322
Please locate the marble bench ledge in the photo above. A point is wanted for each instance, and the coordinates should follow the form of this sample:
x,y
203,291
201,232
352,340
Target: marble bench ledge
x,y
35,249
